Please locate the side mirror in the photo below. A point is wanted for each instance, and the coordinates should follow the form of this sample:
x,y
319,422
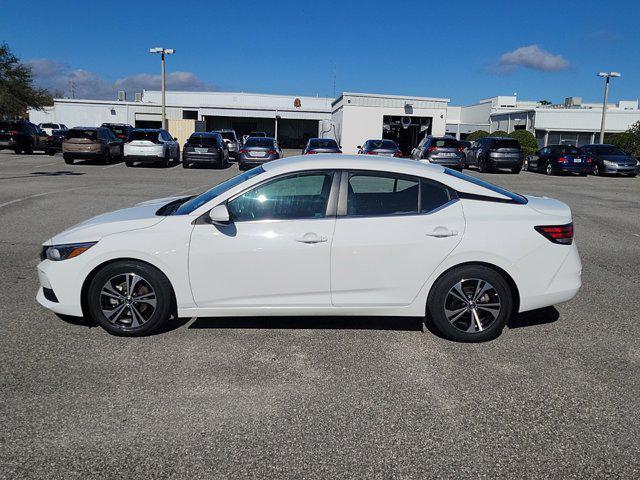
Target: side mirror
x,y
359,146
175,139
219,214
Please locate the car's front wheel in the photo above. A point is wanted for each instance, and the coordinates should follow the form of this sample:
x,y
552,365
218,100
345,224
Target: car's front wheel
x,y
130,298
550,170
470,304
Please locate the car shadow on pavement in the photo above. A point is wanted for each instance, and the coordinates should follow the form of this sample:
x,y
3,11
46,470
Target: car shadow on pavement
x,y
311,323
540,316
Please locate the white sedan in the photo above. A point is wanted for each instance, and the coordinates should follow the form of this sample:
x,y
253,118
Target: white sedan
x,y
330,235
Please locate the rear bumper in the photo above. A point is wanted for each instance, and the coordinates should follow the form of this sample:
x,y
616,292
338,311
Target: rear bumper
x,y
8,144
188,157
575,168
505,162
82,155
252,161
143,158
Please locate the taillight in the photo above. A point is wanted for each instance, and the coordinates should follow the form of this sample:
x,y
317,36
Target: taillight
x,y
589,160
14,132
243,150
562,159
398,154
460,149
432,149
371,152
310,152
562,234
271,152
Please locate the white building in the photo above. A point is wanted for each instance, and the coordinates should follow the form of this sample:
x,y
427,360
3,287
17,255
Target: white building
x,y
573,122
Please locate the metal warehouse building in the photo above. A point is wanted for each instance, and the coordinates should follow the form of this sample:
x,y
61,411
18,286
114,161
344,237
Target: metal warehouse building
x,y
351,118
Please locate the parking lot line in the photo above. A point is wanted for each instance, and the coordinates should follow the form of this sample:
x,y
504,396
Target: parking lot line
x,y
11,202
111,166
45,164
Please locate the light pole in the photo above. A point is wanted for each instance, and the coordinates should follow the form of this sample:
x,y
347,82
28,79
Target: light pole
x,y
607,76
162,51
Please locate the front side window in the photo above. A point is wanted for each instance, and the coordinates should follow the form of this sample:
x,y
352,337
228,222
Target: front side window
x,y
373,195
293,197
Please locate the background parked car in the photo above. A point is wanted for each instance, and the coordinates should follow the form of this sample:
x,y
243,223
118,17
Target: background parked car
x,y
445,151
231,140
54,142
388,148
152,145
91,143
205,148
321,145
554,159
120,130
610,159
48,128
489,153
21,136
258,150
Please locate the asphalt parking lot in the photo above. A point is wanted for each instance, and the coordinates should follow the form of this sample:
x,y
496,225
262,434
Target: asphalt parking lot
x,y
556,395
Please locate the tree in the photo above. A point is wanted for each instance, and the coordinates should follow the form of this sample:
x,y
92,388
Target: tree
x,y
473,136
527,141
17,92
629,141
499,133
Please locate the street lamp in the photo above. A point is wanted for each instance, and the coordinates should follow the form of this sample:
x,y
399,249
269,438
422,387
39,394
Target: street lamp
x,y
162,51
607,76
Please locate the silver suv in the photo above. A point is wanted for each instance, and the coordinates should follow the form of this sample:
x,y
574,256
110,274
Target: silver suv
x,y
231,139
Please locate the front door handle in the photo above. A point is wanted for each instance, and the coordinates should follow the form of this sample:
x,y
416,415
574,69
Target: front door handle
x,y
442,232
312,238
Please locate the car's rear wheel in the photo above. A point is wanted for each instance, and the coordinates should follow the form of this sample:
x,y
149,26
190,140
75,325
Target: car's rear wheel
x,y
482,165
51,152
185,164
470,304
107,157
549,169
596,170
516,170
130,298
28,149
17,150
67,160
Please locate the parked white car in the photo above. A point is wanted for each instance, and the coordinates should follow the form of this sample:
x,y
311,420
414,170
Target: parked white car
x,y
151,146
48,128
328,235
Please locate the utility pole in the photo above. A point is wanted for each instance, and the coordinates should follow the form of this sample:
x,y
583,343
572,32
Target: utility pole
x,y
607,76
162,52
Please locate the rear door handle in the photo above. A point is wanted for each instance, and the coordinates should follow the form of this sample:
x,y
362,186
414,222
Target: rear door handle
x,y
312,238
442,232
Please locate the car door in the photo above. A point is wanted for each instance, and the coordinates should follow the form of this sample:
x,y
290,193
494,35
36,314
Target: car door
x,y
471,153
542,159
392,231
533,159
40,138
275,250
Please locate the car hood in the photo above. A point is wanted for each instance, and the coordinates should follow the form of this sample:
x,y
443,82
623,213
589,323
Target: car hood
x,y
142,215
618,158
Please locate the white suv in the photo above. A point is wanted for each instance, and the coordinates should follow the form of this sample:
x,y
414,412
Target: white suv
x,y
151,146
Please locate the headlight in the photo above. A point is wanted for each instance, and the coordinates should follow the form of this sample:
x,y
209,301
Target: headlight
x,y
64,252
609,163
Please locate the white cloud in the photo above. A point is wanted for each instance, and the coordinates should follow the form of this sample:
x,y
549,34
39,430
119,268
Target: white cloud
x,y
59,77
532,57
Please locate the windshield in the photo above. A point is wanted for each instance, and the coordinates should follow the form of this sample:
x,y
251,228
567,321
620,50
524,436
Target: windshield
x,y
494,188
259,142
383,144
607,150
322,143
77,133
219,189
142,135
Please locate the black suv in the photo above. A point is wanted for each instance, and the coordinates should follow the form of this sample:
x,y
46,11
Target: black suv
x,y
120,130
490,153
21,136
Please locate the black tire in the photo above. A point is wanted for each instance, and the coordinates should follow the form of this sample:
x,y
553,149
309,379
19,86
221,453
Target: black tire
x,y
549,169
107,157
469,277
633,175
177,159
516,170
482,166
185,165
583,174
525,165
51,152
128,163
28,149
17,150
596,170
68,161
165,162
152,280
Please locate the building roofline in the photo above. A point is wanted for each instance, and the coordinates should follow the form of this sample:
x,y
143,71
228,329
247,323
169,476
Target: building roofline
x,y
214,92
396,97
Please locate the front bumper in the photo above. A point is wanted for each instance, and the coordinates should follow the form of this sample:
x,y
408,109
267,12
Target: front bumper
x,y
61,283
613,169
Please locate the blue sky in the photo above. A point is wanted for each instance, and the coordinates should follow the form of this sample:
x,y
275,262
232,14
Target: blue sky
x,y
461,50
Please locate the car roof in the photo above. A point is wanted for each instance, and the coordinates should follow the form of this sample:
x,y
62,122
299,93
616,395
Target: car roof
x,y
86,128
152,130
330,161
205,134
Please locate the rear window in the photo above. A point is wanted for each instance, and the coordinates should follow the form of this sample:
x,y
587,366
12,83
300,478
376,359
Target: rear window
x,y
49,125
505,143
444,143
383,144
258,142
227,135
490,186
607,150
142,135
258,134
79,133
564,150
202,141
323,143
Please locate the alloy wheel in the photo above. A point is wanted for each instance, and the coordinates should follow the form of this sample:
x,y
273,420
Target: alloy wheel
x,y
127,300
472,305
549,169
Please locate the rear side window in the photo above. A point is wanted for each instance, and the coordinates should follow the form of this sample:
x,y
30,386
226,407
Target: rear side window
x,y
432,196
375,195
490,186
293,197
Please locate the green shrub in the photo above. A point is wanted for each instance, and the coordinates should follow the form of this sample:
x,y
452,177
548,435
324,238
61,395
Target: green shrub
x,y
473,136
527,141
628,141
499,133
